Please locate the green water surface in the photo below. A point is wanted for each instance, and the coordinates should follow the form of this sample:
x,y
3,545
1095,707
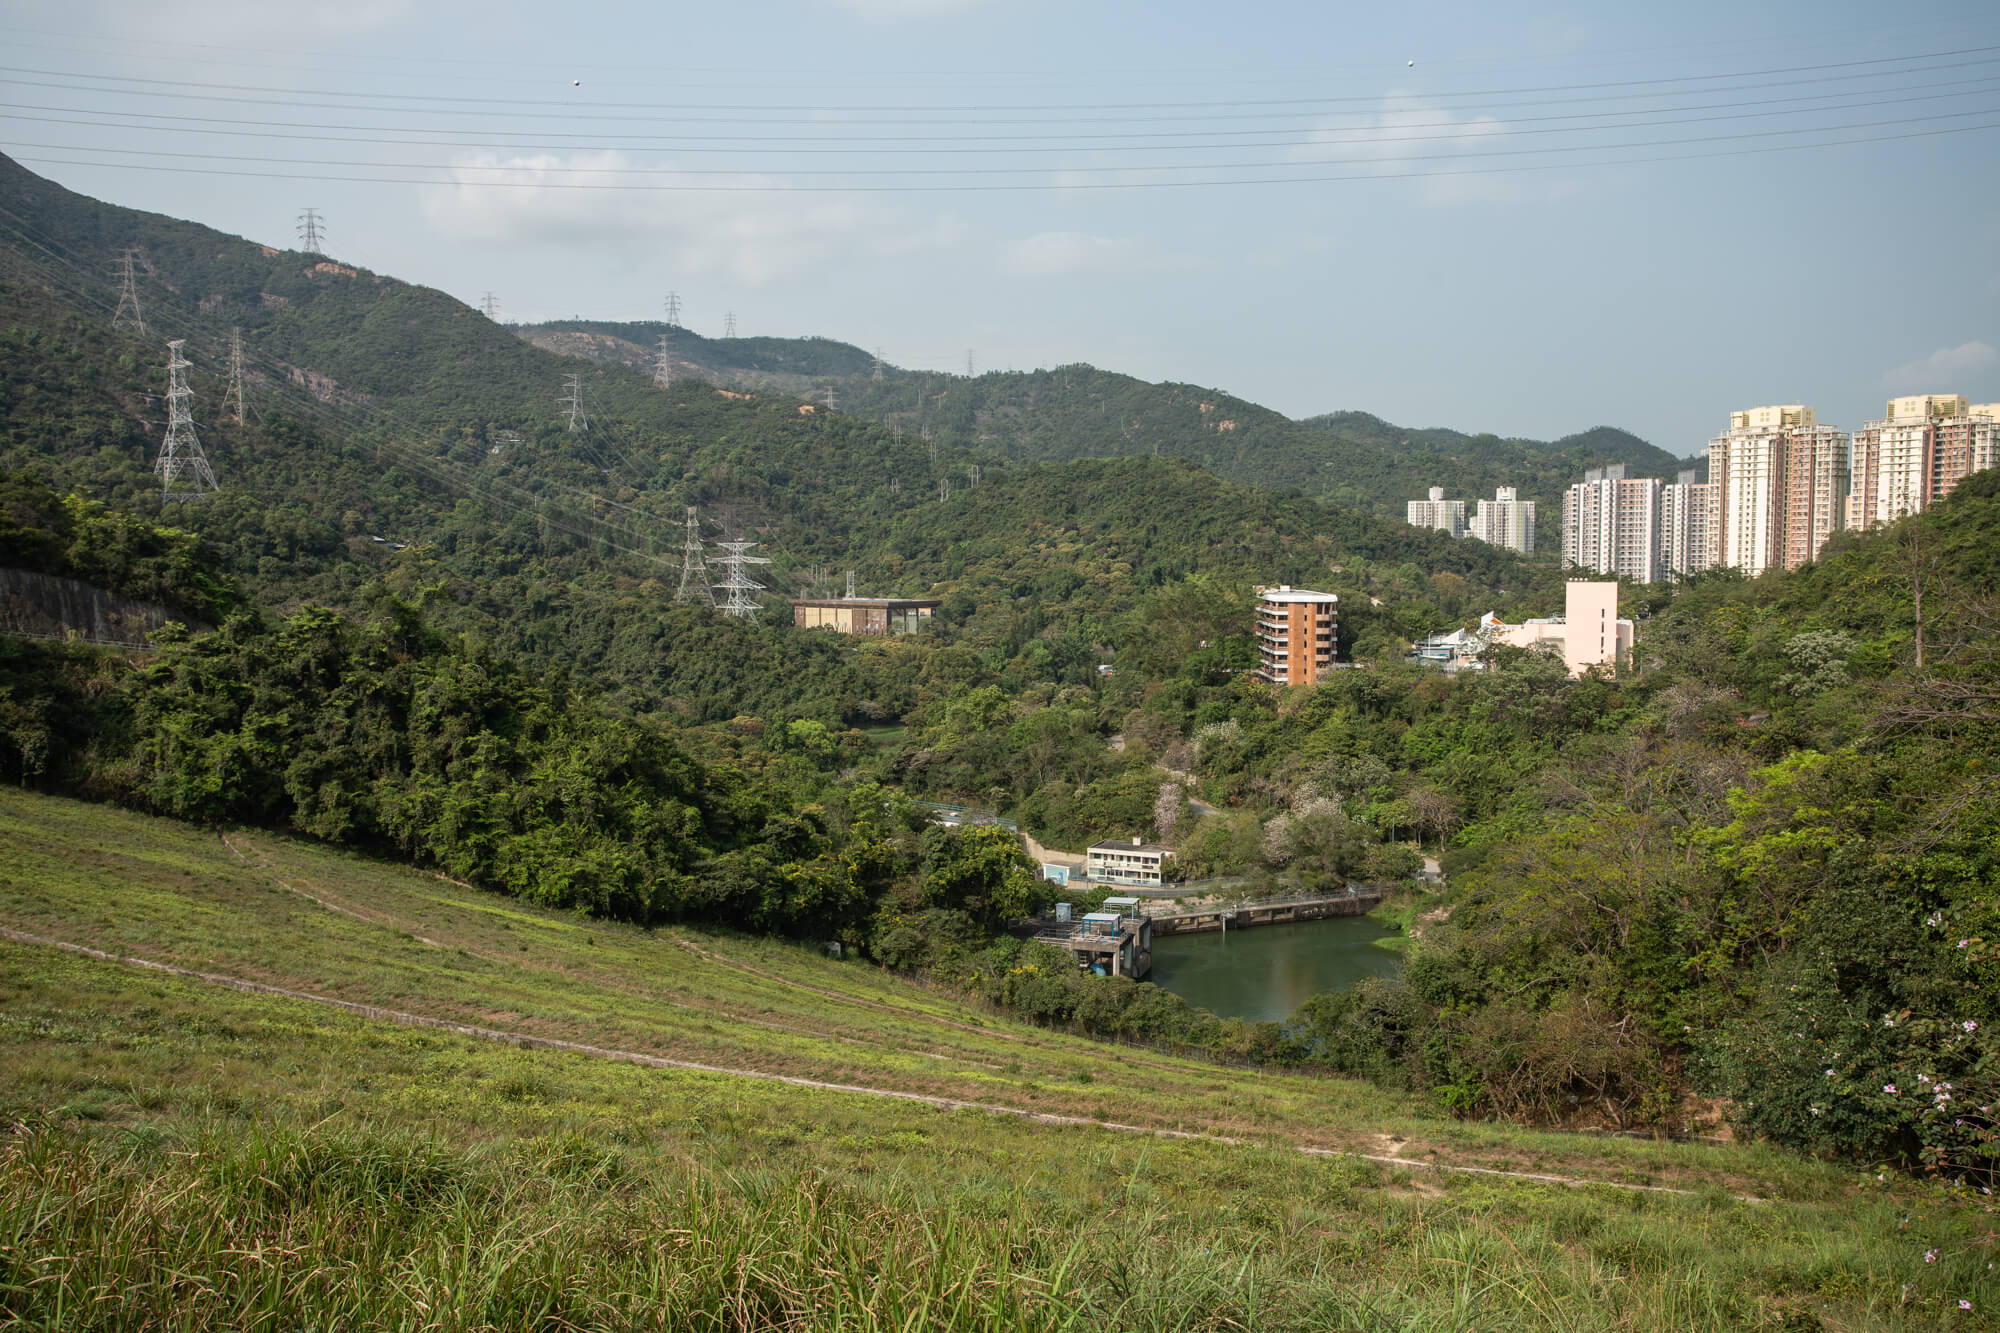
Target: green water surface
x,y
1265,972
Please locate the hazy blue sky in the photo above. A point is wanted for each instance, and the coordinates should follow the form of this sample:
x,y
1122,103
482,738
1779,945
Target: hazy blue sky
x,y
1555,217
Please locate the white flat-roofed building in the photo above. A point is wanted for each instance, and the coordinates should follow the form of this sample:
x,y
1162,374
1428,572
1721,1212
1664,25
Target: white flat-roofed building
x,y
1136,862
1438,512
1588,633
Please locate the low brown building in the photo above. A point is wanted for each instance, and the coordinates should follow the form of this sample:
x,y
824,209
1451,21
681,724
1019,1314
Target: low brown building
x,y
863,615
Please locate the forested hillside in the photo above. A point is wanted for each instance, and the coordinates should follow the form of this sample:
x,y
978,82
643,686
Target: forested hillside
x,y
1079,411
399,439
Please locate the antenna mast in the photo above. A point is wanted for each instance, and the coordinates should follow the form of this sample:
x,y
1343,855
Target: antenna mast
x,y
128,318
232,397
181,462
735,561
312,229
694,566
573,399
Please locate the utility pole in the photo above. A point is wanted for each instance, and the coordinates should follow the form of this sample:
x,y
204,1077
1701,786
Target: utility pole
x,y
944,489
128,318
489,306
736,581
573,399
729,325
663,360
694,566
232,397
312,232
181,462
674,309
975,474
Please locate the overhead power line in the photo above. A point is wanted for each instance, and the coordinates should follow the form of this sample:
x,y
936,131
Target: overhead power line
x,y
136,84
1844,139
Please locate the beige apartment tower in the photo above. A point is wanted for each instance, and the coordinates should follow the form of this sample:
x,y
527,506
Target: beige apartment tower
x,y
1298,632
1778,483
1611,524
1506,520
1917,454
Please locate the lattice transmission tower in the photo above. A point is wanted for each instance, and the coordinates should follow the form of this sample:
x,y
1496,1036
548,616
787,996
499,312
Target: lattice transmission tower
x,y
695,586
128,317
736,581
729,325
573,400
489,306
312,232
877,373
232,397
663,360
674,309
182,468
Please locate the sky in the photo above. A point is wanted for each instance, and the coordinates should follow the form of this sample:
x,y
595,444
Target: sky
x,y
1527,219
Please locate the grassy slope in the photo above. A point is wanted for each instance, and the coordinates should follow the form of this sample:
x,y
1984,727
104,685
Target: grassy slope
x,y
219,1158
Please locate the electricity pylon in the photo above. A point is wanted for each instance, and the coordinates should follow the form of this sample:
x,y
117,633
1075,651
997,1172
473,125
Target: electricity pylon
x,y
182,468
573,399
694,566
736,582
232,397
128,317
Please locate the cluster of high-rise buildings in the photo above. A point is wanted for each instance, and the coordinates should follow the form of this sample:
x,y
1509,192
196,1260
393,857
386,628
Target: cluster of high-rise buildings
x,y
1505,520
1779,484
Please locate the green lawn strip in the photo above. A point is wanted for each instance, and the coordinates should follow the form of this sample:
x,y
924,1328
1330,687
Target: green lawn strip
x,y
211,1155
166,891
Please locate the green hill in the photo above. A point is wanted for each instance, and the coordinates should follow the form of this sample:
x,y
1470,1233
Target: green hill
x,y
371,1098
1079,411
397,438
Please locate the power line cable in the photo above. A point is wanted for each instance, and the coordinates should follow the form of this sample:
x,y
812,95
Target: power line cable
x,y
1088,185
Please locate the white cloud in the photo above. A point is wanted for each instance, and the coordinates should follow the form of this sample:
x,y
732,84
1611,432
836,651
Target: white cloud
x,y
1056,254
757,235
1938,371
1408,134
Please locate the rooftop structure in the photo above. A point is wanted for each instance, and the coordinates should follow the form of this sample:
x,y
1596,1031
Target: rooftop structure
x,y
1298,634
863,615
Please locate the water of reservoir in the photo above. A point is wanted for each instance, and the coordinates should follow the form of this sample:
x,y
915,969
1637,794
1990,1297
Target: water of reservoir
x,y
1265,972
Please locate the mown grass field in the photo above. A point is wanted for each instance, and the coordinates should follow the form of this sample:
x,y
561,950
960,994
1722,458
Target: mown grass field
x,y
183,1155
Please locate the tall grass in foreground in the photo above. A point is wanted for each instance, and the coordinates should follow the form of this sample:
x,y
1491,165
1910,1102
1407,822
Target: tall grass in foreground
x,y
219,1224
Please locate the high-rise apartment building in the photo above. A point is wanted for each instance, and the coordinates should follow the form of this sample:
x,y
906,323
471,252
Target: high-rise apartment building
x,y
1919,451
1611,524
1297,634
1686,516
1505,520
1779,481
1438,512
